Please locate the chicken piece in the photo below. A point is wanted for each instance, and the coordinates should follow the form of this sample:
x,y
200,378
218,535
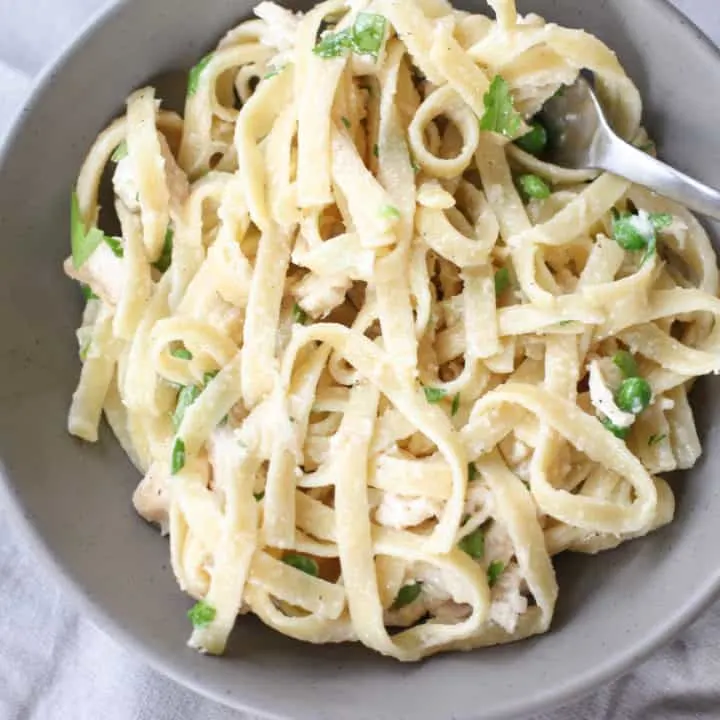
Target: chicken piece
x,y
152,498
508,602
318,295
103,271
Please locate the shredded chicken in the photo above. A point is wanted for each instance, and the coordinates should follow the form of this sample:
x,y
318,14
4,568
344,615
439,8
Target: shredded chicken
x,y
125,186
508,602
398,511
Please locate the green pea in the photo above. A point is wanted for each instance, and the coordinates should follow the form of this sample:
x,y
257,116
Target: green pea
x,y
634,395
534,187
629,232
535,141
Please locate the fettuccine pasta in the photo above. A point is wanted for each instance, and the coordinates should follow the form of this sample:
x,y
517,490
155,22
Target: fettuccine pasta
x,y
376,358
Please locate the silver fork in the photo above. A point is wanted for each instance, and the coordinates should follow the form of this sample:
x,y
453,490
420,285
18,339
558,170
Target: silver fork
x,y
583,139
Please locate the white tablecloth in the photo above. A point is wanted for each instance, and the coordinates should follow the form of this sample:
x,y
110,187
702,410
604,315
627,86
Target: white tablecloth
x,y
54,664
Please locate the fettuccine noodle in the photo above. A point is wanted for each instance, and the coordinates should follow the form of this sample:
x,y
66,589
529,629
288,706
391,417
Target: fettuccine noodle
x,y
376,361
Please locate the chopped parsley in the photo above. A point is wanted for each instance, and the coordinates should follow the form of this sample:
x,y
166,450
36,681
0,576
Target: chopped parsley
x,y
195,73
301,562
186,397
84,243
626,362
502,280
163,262
365,37
273,71
389,212
376,150
178,457
299,315
121,152
88,293
182,354
474,544
500,115
406,595
656,439
472,472
434,395
368,33
494,571
115,244
201,614
346,122
455,407
259,495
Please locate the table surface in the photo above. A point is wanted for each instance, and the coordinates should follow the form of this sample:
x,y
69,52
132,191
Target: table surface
x,y
56,664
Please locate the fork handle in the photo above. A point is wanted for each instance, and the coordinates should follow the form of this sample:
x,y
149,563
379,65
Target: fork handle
x,y
614,155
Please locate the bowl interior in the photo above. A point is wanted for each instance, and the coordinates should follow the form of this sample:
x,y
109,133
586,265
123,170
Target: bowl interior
x,y
75,499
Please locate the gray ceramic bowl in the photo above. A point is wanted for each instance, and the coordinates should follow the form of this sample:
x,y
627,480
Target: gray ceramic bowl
x,y
74,500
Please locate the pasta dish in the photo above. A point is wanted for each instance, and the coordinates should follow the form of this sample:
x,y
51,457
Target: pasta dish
x,y
376,358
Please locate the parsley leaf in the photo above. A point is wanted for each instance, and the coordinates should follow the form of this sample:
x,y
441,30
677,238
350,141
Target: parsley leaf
x,y
346,122
661,221
365,37
334,45
201,614
656,439
83,243
500,114
368,33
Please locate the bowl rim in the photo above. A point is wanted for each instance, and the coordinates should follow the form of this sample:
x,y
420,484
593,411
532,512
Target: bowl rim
x,y
29,536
